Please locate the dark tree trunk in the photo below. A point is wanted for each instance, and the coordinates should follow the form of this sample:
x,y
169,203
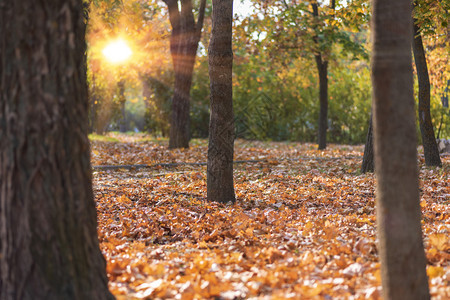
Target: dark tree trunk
x,y
322,68
430,148
220,186
48,230
367,163
183,47
398,211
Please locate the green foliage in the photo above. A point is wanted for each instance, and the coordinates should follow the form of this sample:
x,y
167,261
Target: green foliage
x,y
200,99
350,103
280,104
440,117
135,111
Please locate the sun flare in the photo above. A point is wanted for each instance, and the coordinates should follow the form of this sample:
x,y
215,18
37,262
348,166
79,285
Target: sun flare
x,y
117,51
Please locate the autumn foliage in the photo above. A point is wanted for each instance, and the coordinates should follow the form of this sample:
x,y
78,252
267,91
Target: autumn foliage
x,y
302,226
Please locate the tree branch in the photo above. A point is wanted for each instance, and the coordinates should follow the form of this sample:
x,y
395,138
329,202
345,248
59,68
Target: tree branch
x,y
201,17
174,14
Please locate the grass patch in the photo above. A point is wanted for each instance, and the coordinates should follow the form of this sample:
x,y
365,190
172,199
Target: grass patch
x,y
102,138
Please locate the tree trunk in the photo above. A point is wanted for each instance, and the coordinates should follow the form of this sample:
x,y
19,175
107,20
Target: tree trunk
x,y
220,186
48,230
183,47
180,119
430,148
322,67
367,163
398,210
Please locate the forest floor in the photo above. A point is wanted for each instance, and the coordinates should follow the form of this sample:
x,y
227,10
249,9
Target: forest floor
x,y
303,225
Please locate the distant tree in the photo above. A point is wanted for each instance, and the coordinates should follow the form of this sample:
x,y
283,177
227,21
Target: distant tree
x,y
431,151
398,211
220,186
322,68
185,36
430,148
316,29
432,20
48,237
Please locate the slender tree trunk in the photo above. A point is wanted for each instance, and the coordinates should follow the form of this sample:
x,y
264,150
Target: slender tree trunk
x,y
398,210
183,47
93,108
93,94
48,230
430,148
122,101
367,163
322,67
220,186
147,95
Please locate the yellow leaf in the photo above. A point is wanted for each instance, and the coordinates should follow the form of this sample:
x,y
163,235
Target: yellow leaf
x,y
432,252
377,275
433,271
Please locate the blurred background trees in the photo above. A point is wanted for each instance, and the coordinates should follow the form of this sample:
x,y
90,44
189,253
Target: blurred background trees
x,y
275,77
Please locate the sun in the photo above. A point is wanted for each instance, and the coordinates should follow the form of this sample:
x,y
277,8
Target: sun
x,y
117,51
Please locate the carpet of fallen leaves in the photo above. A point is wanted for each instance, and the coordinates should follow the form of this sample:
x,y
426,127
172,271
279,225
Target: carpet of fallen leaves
x,y
303,226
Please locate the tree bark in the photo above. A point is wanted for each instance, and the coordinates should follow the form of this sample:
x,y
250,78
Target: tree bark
x,y
49,247
398,210
183,47
367,163
220,186
430,148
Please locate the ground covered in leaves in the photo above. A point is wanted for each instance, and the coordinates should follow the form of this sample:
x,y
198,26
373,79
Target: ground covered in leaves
x,y
303,226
